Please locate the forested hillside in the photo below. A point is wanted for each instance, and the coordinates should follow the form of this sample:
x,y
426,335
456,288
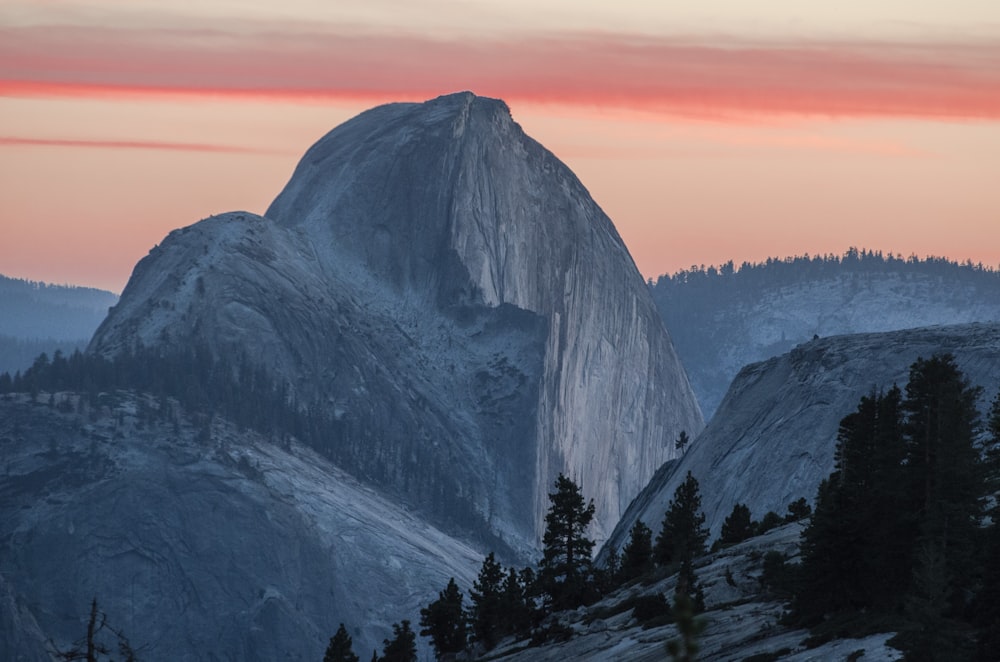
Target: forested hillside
x,y
37,317
722,318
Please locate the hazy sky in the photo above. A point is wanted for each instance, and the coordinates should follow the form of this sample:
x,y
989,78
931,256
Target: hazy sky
x,y
709,131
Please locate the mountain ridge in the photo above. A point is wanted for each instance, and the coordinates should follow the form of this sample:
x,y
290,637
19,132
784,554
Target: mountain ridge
x,y
396,229
722,319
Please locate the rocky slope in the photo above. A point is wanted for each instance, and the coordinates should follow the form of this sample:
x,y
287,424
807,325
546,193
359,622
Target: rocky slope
x,y
199,543
741,618
449,288
773,438
721,322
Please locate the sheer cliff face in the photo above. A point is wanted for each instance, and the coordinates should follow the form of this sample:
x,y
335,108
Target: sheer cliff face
x,y
431,271
773,438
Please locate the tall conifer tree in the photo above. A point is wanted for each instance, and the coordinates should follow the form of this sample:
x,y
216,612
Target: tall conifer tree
x,y
637,555
339,649
946,470
485,612
683,533
444,621
564,574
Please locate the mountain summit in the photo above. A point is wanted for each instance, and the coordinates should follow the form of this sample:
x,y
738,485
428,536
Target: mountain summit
x,y
448,290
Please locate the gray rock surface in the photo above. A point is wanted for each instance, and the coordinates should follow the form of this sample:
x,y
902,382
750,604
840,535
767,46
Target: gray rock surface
x,y
225,548
448,287
773,438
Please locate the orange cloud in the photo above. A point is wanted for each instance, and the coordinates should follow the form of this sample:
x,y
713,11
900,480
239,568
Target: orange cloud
x,y
660,75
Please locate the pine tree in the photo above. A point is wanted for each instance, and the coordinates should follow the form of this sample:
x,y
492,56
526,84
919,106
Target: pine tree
x,y
682,441
564,574
485,614
687,584
738,526
683,534
444,621
986,608
945,467
856,549
689,627
340,649
609,577
798,510
403,645
991,454
637,555
515,608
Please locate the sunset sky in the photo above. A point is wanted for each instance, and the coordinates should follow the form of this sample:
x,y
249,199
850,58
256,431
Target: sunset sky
x,y
708,131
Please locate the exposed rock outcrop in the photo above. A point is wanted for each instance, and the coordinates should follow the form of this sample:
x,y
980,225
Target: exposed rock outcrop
x,y
773,438
451,290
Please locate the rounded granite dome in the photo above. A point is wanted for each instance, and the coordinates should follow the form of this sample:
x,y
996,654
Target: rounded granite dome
x,y
450,289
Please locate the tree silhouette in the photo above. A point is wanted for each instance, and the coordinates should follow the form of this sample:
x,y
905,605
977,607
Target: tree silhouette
x,y
339,649
637,555
738,526
403,645
682,441
444,621
485,612
683,533
564,574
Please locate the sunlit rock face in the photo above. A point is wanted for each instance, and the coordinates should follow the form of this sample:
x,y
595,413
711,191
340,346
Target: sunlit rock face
x,y
449,288
774,436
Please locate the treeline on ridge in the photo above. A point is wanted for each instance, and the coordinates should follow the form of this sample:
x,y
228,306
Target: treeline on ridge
x,y
777,272
206,384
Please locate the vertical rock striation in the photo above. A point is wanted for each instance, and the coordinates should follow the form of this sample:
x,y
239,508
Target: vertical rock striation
x,y
430,271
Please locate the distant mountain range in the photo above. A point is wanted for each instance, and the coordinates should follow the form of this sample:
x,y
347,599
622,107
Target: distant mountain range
x,y
722,319
37,317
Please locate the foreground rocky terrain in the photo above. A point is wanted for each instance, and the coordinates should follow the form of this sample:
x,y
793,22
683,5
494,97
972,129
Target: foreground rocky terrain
x,y
200,541
741,619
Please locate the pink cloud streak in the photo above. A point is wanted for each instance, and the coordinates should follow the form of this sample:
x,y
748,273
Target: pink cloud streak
x,y
129,144
659,75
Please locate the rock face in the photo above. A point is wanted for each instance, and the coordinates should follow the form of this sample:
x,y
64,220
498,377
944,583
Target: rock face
x,y
773,438
223,546
723,322
448,288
